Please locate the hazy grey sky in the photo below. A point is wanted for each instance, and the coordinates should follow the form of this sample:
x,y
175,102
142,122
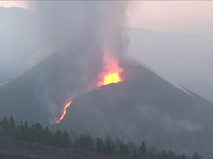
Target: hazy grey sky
x,y
175,16
181,46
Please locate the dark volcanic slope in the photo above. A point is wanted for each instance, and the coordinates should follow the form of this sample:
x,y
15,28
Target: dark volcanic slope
x,y
31,95
145,107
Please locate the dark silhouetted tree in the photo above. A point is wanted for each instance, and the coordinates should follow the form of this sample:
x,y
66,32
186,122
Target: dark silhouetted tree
x,y
123,149
113,146
58,138
47,135
132,146
5,127
81,141
66,139
134,154
142,148
88,142
26,131
108,147
39,133
32,136
12,125
196,156
183,156
100,145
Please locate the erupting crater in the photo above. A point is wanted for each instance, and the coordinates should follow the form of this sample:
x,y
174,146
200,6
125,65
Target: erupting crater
x,y
110,74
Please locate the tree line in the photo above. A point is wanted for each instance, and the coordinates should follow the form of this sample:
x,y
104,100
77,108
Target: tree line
x,y
36,133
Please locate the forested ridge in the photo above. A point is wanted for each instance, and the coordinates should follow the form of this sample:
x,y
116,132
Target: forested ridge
x,y
36,141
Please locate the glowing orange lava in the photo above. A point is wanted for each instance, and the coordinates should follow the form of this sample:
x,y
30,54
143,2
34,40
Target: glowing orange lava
x,y
65,110
111,78
111,73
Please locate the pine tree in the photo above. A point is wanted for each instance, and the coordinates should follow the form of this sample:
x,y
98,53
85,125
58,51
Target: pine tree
x,y
81,141
47,135
26,131
108,147
20,131
12,125
183,156
132,146
72,135
5,127
142,148
88,143
77,143
66,139
58,138
113,146
196,156
126,149
39,133
32,134
99,145
134,153
117,143
123,149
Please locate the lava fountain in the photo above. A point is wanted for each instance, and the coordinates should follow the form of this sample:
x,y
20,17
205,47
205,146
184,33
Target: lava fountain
x,y
111,73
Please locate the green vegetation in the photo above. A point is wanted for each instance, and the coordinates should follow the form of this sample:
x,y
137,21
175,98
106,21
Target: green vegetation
x,y
36,133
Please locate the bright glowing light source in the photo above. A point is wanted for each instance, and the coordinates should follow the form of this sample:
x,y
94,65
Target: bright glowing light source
x,y
111,78
111,73
65,111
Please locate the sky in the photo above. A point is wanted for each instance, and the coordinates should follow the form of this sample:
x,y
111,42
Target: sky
x,y
183,25
21,4
181,46
175,16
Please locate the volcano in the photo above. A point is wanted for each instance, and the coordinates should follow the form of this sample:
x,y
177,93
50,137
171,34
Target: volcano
x,y
35,94
145,107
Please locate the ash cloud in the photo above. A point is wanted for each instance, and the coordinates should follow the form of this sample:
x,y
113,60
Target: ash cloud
x,y
82,32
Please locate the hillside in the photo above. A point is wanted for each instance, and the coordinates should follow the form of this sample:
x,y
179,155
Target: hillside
x,y
12,149
38,94
145,107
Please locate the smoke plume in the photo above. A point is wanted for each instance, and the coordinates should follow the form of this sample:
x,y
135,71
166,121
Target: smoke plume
x,y
82,32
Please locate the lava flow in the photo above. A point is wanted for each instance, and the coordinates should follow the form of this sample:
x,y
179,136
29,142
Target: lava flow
x,y
65,110
111,73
